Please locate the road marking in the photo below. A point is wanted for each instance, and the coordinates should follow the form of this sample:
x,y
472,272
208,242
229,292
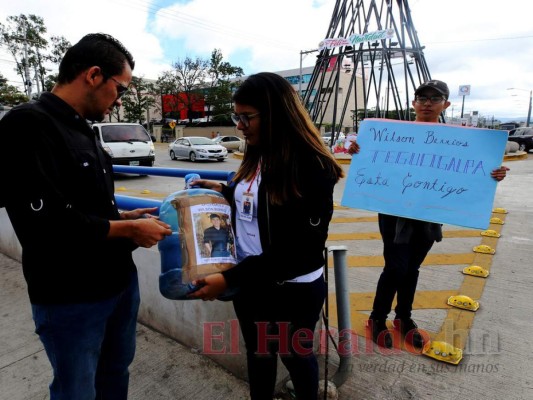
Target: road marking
x,y
144,193
341,220
377,236
430,299
457,323
431,259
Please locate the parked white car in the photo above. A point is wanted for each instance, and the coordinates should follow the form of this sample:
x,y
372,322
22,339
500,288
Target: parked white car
x,y
232,143
196,148
326,137
126,143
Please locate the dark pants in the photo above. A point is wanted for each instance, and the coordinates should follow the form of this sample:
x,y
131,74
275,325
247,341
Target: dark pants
x,y
220,253
402,264
90,345
280,319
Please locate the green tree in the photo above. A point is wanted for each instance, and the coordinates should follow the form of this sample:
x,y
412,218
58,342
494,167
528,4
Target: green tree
x,y
185,83
60,45
218,95
115,113
138,100
220,101
24,37
10,95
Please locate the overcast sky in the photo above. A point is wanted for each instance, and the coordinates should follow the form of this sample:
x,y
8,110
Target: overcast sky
x,y
487,44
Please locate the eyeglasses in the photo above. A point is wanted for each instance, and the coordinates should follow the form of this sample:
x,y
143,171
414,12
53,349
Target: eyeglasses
x,y
244,118
121,89
433,99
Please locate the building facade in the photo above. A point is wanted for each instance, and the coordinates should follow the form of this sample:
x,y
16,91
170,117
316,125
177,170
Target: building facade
x,y
299,79
345,99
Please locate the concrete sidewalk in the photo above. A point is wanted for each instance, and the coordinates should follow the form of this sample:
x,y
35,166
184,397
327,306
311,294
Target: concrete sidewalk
x,y
162,370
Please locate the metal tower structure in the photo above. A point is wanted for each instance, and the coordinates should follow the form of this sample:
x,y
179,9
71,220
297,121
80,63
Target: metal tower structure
x,y
375,41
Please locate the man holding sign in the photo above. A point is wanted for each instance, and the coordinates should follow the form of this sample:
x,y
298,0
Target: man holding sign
x,y
407,241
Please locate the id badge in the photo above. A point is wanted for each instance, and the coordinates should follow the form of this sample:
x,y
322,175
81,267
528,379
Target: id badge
x,y
247,207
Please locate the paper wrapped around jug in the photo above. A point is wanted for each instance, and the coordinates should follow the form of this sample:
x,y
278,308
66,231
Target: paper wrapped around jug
x,y
202,241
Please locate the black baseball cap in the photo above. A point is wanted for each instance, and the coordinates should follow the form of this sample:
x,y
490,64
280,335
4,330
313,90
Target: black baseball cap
x,y
435,84
214,216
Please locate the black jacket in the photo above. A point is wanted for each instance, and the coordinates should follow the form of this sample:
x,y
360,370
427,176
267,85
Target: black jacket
x,y
58,190
293,235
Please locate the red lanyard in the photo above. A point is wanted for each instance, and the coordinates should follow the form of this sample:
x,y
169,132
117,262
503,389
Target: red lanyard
x,y
253,177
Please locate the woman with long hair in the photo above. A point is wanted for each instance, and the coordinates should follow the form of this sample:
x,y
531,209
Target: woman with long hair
x,y
288,176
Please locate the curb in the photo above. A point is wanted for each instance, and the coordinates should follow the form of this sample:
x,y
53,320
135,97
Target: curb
x,y
519,155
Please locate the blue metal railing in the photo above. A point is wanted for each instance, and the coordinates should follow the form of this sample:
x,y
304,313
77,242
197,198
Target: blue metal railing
x,y
131,203
175,172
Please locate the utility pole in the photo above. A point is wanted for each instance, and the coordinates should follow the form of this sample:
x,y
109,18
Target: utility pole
x,y
27,82
162,105
530,101
37,80
529,109
302,52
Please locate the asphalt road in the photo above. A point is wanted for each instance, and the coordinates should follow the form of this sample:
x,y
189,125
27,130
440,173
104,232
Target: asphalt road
x,y
159,187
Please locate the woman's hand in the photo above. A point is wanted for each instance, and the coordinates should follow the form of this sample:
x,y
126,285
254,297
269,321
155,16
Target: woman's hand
x,y
203,183
212,286
499,173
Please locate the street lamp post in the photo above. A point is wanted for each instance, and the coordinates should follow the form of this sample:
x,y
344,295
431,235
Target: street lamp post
x,y
302,52
162,105
530,103
529,109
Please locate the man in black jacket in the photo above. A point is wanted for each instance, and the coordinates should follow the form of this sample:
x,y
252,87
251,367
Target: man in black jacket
x,y
216,238
76,246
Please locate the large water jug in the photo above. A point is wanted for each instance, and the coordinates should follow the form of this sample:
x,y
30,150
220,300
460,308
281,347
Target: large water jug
x,y
202,241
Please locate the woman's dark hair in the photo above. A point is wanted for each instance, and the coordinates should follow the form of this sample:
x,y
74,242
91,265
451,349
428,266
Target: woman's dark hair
x,y
94,49
287,137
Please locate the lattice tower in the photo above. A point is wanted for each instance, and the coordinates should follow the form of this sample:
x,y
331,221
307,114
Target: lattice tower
x,y
384,73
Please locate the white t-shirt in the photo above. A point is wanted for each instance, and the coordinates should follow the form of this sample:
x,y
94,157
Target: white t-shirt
x,y
247,232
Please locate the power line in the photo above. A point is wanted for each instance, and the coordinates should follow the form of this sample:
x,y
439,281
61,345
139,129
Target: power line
x,y
9,61
482,40
21,39
203,24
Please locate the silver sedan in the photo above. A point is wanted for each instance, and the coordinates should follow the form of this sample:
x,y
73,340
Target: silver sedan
x,y
196,148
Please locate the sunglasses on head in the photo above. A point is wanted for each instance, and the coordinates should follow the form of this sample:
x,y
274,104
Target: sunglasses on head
x,y
244,118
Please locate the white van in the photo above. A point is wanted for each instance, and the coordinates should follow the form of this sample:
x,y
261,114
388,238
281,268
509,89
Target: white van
x,y
127,144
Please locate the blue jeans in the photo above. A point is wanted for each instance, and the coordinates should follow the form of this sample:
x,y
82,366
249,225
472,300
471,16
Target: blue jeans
x,y
90,345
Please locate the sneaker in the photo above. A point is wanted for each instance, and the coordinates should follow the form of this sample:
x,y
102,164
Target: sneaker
x,y
410,331
380,333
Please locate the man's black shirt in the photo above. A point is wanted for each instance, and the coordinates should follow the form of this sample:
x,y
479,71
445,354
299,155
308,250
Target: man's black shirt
x,y
59,194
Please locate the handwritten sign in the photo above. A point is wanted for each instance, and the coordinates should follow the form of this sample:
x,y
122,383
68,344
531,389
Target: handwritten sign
x,y
425,171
